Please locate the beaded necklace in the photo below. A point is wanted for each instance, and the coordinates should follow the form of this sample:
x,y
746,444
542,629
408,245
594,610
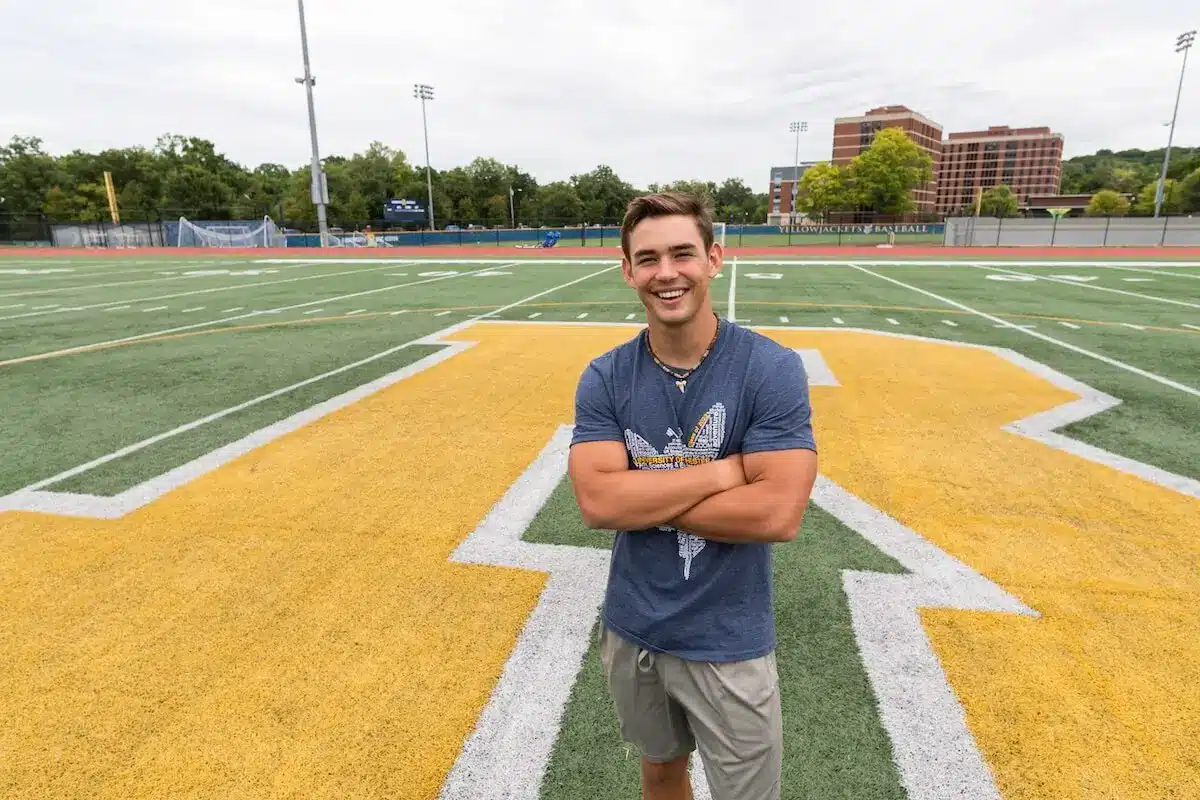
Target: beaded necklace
x,y
681,376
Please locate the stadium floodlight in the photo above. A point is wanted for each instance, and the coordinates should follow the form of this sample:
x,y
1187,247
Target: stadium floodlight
x,y
796,128
320,189
424,92
1182,44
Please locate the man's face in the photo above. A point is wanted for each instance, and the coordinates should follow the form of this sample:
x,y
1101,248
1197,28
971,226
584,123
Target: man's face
x,y
669,268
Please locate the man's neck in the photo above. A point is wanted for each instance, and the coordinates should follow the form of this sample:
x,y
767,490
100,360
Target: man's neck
x,y
683,346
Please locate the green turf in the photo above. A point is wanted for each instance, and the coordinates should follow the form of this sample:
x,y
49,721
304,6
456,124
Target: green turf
x,y
835,746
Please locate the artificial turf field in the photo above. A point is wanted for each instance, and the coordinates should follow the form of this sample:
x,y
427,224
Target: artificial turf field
x,y
275,527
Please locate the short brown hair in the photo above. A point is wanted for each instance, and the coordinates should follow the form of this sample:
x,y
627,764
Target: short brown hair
x,y
666,204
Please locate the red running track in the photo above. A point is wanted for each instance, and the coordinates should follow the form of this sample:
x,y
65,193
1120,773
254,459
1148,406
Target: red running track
x,y
482,251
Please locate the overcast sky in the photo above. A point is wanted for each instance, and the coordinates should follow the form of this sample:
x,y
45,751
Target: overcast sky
x,y
657,89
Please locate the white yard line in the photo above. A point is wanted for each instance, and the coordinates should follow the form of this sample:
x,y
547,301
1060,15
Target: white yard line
x,y
535,315
314,311
254,439
582,316
14,305
231,310
1070,325
401,311
154,308
1093,287
1135,327
1152,272
634,316
892,321
208,323
441,313
41,308
355,311
1193,327
839,320
209,290
784,320
951,323
731,312
1001,323
118,308
190,310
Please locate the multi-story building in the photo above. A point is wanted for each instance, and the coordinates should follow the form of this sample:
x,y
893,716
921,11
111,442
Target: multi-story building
x,y
853,135
783,179
1027,160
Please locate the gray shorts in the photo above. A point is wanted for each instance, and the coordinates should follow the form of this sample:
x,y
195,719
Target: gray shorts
x,y
729,711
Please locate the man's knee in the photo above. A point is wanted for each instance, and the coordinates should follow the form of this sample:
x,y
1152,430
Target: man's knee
x,y
667,775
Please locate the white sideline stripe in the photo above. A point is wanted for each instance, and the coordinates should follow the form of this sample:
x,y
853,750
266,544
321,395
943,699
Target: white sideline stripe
x,y
190,310
210,322
209,290
951,323
314,311
1093,287
154,308
1193,327
118,308
1070,325
31,498
731,312
1000,323
892,321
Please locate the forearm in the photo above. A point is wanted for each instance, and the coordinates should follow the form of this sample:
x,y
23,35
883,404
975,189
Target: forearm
x,y
751,513
642,498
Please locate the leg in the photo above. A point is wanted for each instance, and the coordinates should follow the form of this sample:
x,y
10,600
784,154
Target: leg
x,y
734,711
649,718
667,781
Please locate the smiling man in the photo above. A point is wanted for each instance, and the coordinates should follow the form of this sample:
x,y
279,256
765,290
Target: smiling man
x,y
693,441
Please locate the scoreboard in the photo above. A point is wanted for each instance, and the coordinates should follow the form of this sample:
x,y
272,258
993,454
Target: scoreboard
x,y
403,210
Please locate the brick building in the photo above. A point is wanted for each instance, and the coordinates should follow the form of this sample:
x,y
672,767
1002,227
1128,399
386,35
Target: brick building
x,y
853,135
1028,160
782,181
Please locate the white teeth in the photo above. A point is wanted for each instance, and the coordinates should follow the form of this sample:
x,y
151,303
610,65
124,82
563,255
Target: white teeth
x,y
671,295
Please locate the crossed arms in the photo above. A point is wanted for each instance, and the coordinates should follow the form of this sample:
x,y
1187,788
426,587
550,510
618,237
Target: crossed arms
x,y
756,497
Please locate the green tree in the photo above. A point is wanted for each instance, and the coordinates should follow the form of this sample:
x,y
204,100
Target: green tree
x,y
603,193
885,174
1172,198
1189,192
496,209
704,190
1107,203
823,188
999,201
557,203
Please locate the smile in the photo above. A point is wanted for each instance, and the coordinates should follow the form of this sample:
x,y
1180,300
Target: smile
x,y
670,294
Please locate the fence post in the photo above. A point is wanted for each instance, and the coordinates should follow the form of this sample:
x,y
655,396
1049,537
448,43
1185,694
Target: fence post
x,y
1162,240
999,228
1053,230
1107,222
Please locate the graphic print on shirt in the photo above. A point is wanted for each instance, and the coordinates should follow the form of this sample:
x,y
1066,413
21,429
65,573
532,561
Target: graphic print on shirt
x,y
703,445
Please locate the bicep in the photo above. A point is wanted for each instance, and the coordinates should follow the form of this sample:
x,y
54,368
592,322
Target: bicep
x,y
789,473
592,458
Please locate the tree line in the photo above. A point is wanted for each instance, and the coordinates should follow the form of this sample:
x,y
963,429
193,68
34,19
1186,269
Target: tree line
x,y
187,176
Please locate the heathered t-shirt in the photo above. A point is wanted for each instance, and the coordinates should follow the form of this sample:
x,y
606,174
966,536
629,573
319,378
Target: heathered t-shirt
x,y
670,591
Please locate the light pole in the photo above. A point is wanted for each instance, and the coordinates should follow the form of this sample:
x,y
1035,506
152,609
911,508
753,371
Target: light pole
x,y
512,209
796,128
320,189
1182,45
424,92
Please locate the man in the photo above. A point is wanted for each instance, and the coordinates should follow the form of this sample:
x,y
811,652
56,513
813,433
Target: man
x,y
694,442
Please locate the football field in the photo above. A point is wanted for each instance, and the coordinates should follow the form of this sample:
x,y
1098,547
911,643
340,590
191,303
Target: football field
x,y
300,527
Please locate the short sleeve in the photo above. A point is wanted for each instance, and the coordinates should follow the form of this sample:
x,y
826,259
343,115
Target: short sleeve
x,y
595,416
782,416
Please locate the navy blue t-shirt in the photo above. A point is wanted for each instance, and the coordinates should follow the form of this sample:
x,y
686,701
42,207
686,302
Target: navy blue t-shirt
x,y
671,591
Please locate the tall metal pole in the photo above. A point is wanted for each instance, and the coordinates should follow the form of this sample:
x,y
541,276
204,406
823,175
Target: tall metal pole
x,y
796,128
1182,44
318,177
424,92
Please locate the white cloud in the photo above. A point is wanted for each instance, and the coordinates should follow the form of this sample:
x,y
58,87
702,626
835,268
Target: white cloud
x,y
659,91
